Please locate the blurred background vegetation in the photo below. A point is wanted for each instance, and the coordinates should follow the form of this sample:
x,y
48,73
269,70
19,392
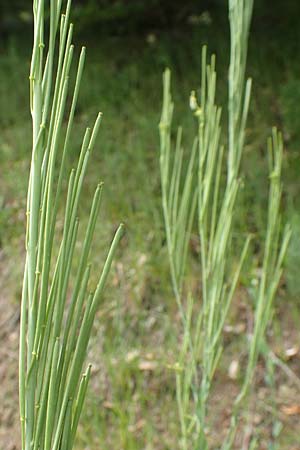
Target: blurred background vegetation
x,y
131,403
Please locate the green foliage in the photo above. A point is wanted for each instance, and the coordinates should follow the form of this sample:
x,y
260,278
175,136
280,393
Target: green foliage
x,y
293,258
13,96
290,107
123,16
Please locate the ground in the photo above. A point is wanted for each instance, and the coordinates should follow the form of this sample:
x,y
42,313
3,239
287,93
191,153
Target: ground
x,y
9,335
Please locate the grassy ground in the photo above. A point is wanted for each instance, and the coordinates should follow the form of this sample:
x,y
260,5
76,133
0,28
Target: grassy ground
x,y
131,402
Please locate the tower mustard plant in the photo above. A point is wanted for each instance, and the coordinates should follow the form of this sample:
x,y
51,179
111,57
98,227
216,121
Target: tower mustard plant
x,y
56,315
207,190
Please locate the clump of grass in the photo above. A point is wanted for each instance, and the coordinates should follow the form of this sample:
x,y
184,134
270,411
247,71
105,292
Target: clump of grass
x,y
55,327
211,196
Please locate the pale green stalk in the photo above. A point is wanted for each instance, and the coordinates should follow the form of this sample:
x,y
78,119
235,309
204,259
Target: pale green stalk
x,y
51,361
214,218
216,205
274,251
240,13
